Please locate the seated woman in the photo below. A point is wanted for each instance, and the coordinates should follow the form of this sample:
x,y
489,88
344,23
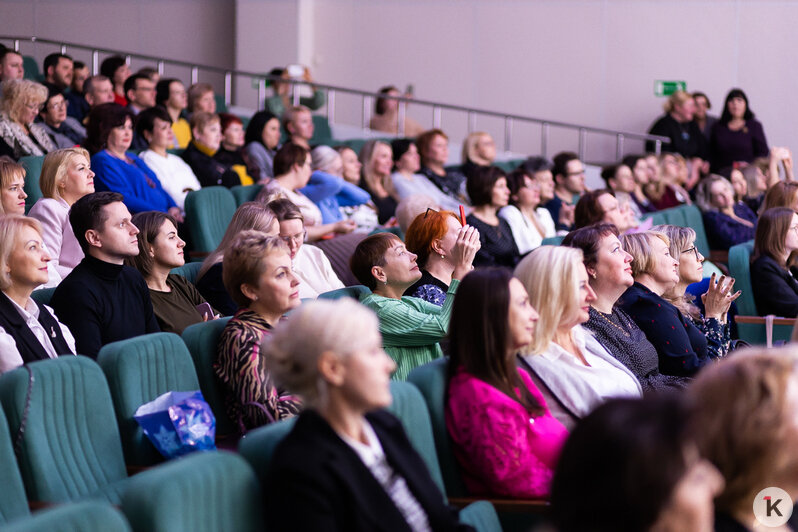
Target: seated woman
x,y
65,178
201,99
433,148
110,133
258,276
261,141
775,288
757,185
488,191
666,190
328,190
376,159
170,94
737,136
29,331
386,115
726,221
206,138
19,135
479,149
347,464
504,437
251,215
176,177
311,265
529,221
410,328
782,194
682,347
432,237
640,443
407,181
609,275
641,177
230,152
569,361
175,301
749,402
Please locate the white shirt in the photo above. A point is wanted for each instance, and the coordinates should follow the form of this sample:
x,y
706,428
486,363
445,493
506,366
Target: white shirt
x,y
9,354
525,233
315,272
176,177
310,211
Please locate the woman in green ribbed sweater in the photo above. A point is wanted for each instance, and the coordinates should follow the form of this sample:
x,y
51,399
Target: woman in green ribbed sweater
x,y
411,328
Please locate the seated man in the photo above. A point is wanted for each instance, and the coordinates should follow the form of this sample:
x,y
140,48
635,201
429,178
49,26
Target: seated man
x,y
103,300
64,130
58,70
140,93
298,122
11,66
78,106
98,90
206,131
569,183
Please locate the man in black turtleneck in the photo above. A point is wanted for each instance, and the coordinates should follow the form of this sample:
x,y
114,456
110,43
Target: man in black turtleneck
x,y
103,300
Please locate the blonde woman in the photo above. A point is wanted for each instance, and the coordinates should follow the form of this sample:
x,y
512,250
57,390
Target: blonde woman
x,y
19,136
66,177
376,157
573,365
479,149
727,222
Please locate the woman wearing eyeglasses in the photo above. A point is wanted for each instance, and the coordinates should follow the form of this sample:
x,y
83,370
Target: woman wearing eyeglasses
x,y
775,288
21,103
529,221
311,265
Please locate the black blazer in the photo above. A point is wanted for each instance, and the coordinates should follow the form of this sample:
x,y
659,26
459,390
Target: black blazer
x,y
29,347
317,482
775,289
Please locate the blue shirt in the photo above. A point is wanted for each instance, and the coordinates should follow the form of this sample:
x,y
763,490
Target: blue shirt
x,y
136,182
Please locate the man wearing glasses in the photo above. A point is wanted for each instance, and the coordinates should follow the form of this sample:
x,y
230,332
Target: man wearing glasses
x,y
569,184
65,130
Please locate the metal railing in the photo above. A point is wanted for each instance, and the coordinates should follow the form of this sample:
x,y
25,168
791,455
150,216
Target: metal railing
x,y
367,100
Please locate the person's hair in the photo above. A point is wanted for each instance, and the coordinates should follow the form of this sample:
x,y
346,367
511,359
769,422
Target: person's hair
x,y
227,119
608,172
743,423
162,90
252,215
749,173
287,156
5,52
54,169
677,98
149,72
621,465
771,233
52,61
10,170
197,91
588,211
110,65
52,92
17,93
11,226
470,145
149,224
703,195
550,275
255,127
631,161
725,116
424,141
88,213
284,209
560,163
516,180
638,245
424,230
245,260
680,239
410,207
145,120
88,85
479,335
379,105
536,164
291,112
782,194
399,147
588,239
77,65
201,119
366,158
480,183
132,81
699,94
322,157
292,352
102,119
370,252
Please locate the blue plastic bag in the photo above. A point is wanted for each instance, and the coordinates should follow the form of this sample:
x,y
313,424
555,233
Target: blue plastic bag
x,y
178,423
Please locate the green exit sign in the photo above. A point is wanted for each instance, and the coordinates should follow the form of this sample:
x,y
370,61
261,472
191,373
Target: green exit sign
x,y
666,88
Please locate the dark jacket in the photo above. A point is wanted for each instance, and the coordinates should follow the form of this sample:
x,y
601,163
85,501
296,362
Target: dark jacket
x,y
319,483
686,138
775,289
29,347
209,171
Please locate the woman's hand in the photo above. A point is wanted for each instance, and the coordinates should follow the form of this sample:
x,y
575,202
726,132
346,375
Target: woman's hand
x,y
566,217
344,226
464,251
718,297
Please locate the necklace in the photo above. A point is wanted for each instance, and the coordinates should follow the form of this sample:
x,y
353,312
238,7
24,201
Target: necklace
x,y
608,320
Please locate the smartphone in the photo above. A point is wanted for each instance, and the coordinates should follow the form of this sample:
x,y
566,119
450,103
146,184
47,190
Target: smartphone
x,y
205,311
295,71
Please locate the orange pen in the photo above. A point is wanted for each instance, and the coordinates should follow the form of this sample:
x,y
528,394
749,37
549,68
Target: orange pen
x,y
462,215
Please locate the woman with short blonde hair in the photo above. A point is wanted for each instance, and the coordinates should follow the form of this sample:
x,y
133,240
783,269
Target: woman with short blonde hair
x,y
376,158
19,135
727,222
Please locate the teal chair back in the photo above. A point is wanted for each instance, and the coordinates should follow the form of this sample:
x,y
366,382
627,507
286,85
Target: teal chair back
x,y
208,213
257,446
508,166
139,370
31,67
13,503
88,516
43,295
356,292
355,144
694,219
189,271
552,241
740,269
322,134
221,105
245,193
201,340
70,447
203,492
33,170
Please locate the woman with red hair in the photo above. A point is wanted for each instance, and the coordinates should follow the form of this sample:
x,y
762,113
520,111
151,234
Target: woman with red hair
x,y
231,152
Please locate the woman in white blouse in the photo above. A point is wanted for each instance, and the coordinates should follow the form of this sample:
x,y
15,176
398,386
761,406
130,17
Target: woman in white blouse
x,y
575,367
529,222
29,331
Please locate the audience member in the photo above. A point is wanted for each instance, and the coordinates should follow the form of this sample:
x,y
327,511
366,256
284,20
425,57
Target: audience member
x,y
410,207
29,331
347,464
737,136
58,70
175,175
406,180
12,187
610,275
504,437
666,191
80,72
433,147
171,94
376,159
351,164
12,66
230,152
103,300
201,99
774,286
140,93
333,195
488,191
259,277
116,69
737,180
19,135
433,238
411,328
782,194
65,178
151,73
569,182
727,222
529,221
386,115
78,107
757,185
206,132
701,118
479,149
279,102
597,206
640,173
64,131
97,91
261,141
118,170
298,123
569,361
175,301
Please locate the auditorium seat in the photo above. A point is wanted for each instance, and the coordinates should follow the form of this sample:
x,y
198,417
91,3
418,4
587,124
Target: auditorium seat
x,y
31,67
245,193
356,292
552,241
87,516
208,213
322,134
43,295
13,503
189,271
33,169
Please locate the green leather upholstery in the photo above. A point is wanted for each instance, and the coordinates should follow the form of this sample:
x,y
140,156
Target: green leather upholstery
x,y
13,503
355,292
203,492
33,169
208,213
88,516
43,295
139,370
70,448
189,270
245,193
201,340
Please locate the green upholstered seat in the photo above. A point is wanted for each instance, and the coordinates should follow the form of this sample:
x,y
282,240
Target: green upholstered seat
x,y
357,291
694,219
31,67
87,516
139,370
202,492
322,133
245,193
208,213
189,270
552,241
13,503
258,445
221,105
43,295
33,169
